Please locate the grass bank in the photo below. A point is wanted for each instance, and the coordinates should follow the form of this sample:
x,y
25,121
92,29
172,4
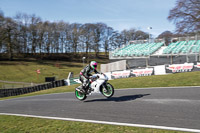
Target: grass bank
x,y
17,124
25,71
171,80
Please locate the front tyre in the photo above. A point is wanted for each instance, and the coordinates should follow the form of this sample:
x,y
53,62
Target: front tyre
x,y
108,91
80,96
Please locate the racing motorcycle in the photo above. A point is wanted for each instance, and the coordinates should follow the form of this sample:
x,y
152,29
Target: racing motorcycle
x,y
98,84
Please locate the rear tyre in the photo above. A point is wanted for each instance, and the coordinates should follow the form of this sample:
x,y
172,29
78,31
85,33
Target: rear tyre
x,y
80,95
108,91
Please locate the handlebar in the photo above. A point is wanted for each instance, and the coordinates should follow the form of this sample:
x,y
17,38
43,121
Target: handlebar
x,y
97,76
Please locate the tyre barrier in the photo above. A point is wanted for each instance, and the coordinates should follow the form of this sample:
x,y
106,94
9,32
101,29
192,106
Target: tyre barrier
x,y
20,91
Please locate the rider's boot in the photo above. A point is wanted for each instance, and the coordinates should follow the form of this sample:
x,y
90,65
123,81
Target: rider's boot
x,y
81,89
86,87
84,90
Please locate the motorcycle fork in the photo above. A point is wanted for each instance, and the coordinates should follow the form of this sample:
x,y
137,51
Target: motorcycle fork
x,y
104,86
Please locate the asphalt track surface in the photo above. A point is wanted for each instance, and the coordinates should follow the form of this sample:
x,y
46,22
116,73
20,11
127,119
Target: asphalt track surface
x,y
171,107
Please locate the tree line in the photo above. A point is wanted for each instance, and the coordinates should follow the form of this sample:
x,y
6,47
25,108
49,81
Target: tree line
x,y
186,17
29,34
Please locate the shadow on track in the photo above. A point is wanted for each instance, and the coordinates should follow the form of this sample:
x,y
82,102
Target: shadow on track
x,y
120,99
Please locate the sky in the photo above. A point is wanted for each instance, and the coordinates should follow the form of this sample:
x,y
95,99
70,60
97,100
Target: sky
x,y
118,14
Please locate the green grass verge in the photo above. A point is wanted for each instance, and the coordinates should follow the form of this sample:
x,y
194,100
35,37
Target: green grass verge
x,y
17,124
171,80
25,71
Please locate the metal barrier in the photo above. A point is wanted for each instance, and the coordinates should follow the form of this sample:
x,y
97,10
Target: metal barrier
x,y
20,91
74,81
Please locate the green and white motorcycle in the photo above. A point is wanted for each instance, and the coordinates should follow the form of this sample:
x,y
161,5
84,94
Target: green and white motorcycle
x,y
98,84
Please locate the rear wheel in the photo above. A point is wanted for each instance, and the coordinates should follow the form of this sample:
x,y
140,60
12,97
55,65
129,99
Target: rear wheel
x,y
108,91
80,95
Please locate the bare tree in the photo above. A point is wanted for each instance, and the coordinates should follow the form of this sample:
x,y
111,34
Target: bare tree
x,y
98,34
87,36
73,37
167,35
186,16
41,32
140,35
48,37
8,32
127,35
23,20
107,38
2,19
62,28
34,33
115,40
55,38
132,34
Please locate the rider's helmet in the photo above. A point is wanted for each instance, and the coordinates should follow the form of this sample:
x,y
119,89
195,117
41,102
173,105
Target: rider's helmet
x,y
93,64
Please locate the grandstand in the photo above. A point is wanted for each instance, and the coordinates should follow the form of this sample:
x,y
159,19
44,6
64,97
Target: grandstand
x,y
144,54
138,50
183,47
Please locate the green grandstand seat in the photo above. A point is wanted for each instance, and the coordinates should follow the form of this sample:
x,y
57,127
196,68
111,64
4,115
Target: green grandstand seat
x,y
145,49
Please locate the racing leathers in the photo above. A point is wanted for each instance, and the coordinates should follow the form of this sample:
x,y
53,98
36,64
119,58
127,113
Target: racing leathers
x,y
85,75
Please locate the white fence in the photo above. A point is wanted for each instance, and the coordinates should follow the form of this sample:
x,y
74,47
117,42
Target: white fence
x,y
118,65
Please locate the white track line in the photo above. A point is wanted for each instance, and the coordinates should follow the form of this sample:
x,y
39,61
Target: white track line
x,y
197,87
106,122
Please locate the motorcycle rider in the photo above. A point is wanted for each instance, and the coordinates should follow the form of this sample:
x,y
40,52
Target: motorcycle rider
x,y
86,73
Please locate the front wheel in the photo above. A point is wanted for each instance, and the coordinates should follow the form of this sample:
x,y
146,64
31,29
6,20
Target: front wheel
x,y
80,96
108,91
